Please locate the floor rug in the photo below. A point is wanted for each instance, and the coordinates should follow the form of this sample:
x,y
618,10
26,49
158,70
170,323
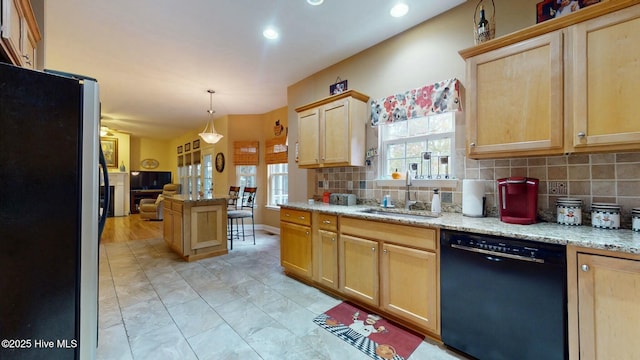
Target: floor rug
x,y
380,339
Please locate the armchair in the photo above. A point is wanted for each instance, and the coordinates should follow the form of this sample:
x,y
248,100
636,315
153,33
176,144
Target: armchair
x,y
151,209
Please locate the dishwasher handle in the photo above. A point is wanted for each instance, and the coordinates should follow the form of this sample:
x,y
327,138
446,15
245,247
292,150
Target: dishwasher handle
x,y
495,253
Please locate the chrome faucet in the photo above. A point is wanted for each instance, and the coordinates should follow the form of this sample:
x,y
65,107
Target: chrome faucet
x,y
407,201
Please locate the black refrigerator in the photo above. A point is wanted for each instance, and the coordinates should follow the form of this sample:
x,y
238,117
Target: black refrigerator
x,y
49,214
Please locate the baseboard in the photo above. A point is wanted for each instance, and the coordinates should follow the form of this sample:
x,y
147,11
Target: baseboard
x,y
268,228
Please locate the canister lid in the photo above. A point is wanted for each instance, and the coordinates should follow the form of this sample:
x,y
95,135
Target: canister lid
x,y
605,206
569,201
636,211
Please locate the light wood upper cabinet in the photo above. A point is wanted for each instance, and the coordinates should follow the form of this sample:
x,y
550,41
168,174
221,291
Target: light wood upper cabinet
x,y
562,86
332,131
20,33
514,99
605,82
608,302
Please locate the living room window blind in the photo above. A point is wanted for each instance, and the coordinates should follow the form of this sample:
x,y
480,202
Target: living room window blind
x,y
245,152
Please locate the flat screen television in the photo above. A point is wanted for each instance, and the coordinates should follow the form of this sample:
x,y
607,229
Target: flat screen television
x,y
149,180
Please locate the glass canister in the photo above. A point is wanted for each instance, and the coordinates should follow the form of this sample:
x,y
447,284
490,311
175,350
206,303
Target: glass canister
x,y
569,211
635,219
605,215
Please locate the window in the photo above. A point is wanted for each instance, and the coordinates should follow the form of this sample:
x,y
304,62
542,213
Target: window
x,y
207,175
246,175
427,142
278,184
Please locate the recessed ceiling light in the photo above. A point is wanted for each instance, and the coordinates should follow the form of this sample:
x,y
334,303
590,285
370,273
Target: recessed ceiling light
x,y
399,10
270,33
315,2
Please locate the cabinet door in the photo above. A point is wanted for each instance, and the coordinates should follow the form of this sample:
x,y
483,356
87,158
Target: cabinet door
x,y
328,261
609,307
12,29
358,268
295,249
409,285
167,225
176,230
606,82
515,98
336,131
309,137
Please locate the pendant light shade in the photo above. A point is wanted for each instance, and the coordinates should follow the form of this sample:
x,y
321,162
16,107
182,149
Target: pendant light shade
x,y
209,134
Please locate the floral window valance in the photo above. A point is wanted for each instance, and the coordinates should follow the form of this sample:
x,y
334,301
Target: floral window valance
x,y
429,99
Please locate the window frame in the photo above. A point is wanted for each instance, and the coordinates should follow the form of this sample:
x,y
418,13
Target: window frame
x,y
384,172
270,180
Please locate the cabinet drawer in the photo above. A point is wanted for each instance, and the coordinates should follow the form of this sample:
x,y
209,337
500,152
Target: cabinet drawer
x,y
295,216
328,222
419,237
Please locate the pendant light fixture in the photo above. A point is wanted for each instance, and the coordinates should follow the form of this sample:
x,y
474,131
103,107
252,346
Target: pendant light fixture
x,y
209,134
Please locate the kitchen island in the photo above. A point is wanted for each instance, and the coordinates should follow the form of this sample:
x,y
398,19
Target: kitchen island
x,y
195,228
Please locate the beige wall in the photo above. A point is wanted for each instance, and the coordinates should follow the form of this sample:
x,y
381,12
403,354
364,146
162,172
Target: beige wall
x,y
234,128
146,148
425,54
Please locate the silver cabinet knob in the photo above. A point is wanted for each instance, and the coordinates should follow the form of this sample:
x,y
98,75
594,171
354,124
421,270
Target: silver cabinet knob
x,y
373,249
287,214
585,267
333,239
326,222
384,251
472,144
581,134
301,217
307,233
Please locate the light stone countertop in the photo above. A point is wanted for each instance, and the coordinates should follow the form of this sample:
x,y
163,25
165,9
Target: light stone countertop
x,y
200,201
621,240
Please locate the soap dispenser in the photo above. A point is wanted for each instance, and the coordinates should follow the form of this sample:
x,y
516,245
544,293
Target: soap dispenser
x,y
435,202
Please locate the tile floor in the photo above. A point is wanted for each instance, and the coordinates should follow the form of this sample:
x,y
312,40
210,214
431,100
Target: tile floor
x,y
153,305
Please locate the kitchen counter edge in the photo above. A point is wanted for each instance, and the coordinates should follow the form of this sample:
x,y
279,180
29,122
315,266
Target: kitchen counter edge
x,y
621,240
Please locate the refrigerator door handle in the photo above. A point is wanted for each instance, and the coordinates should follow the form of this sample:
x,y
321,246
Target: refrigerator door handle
x,y
105,206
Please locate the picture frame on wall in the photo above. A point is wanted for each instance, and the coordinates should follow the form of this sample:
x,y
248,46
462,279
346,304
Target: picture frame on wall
x,y
551,9
196,144
180,149
187,147
339,87
110,151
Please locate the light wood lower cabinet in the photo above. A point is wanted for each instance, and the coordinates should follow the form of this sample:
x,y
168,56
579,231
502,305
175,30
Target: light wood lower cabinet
x,y
295,242
195,229
402,279
604,305
328,259
409,284
358,268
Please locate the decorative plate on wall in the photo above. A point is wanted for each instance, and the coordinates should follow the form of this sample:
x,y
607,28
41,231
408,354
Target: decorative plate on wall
x,y
149,163
219,162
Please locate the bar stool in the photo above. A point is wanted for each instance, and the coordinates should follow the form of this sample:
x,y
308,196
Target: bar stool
x,y
245,210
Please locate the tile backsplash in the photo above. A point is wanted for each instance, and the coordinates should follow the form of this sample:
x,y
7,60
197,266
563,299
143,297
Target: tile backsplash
x,y
611,178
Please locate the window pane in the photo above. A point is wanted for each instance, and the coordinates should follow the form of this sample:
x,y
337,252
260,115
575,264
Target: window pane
x,y
395,130
441,123
396,151
418,126
414,149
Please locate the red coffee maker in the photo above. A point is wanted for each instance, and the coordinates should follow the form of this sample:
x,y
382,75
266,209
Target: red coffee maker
x,y
518,197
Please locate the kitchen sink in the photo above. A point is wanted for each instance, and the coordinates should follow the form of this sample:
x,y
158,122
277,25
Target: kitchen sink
x,y
418,216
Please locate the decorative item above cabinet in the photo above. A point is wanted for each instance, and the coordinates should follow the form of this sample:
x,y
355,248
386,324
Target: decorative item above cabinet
x,y
331,131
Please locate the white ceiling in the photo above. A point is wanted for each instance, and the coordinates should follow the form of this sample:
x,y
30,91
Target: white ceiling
x,y
155,59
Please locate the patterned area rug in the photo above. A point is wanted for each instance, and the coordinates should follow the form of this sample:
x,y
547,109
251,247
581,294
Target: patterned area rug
x,y
370,333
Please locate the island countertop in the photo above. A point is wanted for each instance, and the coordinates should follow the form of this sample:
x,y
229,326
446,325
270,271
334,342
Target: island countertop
x,y
200,201
621,240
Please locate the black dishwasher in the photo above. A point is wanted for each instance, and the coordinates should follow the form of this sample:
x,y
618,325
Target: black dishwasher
x,y
503,298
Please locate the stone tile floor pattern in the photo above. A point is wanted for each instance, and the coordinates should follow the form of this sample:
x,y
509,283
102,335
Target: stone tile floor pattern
x,y
154,305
